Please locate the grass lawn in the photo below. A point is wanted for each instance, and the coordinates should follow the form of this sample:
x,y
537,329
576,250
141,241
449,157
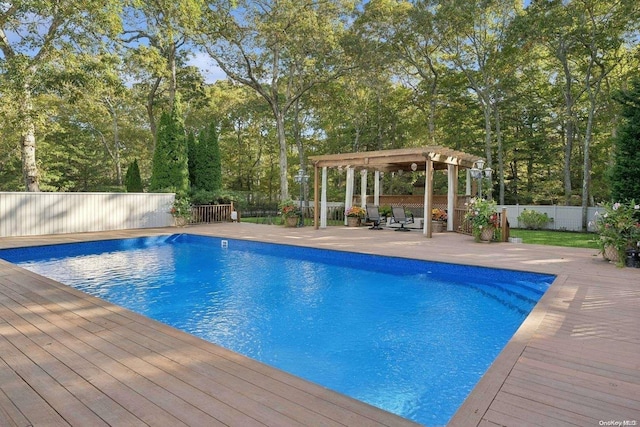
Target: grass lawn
x,y
556,238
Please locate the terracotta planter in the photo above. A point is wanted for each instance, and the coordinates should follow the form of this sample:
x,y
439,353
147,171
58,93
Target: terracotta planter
x,y
353,221
291,221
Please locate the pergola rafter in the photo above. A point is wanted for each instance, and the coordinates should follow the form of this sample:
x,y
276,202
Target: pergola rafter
x,y
399,159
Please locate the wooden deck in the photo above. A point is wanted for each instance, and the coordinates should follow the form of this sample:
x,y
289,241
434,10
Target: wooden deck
x,y
70,359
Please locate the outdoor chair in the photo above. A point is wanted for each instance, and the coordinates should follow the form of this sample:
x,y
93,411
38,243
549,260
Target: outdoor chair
x,y
373,216
400,217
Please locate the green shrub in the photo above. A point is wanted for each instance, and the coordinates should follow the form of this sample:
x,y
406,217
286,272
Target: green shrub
x,y
132,180
533,220
385,210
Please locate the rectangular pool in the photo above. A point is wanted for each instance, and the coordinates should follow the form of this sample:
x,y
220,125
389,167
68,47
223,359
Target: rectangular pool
x,y
411,337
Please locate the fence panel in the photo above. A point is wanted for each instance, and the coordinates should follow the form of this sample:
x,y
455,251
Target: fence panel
x,y
31,214
564,218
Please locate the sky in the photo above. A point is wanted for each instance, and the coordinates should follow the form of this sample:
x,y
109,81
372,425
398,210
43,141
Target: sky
x,y
207,66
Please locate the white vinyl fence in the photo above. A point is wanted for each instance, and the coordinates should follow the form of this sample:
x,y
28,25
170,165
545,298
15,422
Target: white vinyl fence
x,y
565,218
28,214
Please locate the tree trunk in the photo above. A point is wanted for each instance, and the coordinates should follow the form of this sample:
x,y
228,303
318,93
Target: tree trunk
x,y
570,125
433,101
568,148
300,145
500,154
173,83
28,142
116,149
282,142
115,153
487,140
586,174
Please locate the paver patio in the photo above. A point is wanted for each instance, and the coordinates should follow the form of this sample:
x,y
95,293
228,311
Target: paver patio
x,y
70,359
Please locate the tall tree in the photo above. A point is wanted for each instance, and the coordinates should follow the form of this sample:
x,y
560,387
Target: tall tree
x,y
625,170
207,174
156,31
402,37
97,90
33,37
248,148
170,171
586,40
473,35
133,181
280,49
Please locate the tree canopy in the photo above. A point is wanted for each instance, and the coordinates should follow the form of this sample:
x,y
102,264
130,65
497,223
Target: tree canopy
x,y
532,89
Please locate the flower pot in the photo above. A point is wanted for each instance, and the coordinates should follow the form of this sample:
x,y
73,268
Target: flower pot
x,y
353,221
291,221
610,253
487,234
437,226
632,258
180,221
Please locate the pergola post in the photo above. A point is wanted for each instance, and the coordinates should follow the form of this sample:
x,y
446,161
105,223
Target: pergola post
x,y
323,208
316,207
348,198
452,199
376,188
363,188
428,198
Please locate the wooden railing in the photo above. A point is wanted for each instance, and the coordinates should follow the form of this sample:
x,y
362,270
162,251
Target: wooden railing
x,y
206,214
464,227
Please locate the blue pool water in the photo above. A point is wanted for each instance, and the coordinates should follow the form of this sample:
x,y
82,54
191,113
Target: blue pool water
x,y
408,336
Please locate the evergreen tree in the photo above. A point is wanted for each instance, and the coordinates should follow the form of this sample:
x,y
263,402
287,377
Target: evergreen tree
x,y
192,155
132,179
207,165
625,171
170,170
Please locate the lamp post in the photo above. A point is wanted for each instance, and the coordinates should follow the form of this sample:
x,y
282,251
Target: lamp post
x,y
477,172
301,178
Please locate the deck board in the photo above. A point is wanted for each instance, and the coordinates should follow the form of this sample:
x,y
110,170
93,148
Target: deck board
x,y
67,358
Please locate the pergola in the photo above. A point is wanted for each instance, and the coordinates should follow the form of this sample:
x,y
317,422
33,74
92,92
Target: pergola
x,y
427,159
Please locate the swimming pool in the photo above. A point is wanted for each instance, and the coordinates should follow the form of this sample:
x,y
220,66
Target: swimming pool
x,y
397,333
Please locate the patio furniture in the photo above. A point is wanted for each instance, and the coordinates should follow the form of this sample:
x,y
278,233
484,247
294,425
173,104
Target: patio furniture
x,y
373,216
400,217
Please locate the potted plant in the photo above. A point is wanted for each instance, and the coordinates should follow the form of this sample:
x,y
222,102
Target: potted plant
x,y
289,212
181,210
618,228
438,218
354,216
483,217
